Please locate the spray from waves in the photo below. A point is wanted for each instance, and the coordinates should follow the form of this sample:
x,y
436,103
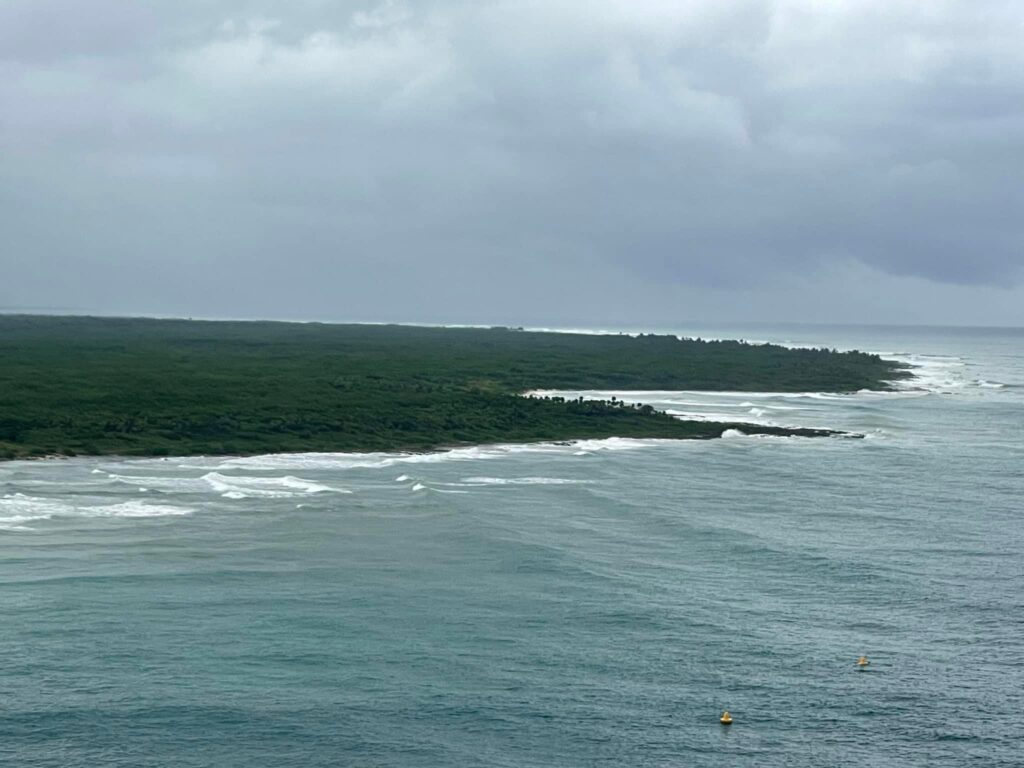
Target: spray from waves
x,y
17,509
938,374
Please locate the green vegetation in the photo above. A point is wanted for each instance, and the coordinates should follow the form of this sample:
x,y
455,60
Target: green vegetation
x,y
82,385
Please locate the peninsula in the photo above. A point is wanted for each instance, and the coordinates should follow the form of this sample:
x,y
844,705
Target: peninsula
x,y
144,387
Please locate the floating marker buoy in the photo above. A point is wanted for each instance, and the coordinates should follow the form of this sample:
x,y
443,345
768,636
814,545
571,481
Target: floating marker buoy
x,y
726,718
863,662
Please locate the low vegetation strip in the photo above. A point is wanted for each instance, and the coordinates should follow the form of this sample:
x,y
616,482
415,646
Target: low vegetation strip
x,y
99,386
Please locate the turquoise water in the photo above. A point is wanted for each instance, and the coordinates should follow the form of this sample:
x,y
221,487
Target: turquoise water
x,y
559,605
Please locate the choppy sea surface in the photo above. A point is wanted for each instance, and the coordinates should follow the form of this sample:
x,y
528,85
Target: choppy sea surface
x,y
585,604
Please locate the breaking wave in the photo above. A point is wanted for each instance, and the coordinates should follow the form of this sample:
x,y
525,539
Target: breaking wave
x,y
518,481
235,487
17,509
336,461
229,486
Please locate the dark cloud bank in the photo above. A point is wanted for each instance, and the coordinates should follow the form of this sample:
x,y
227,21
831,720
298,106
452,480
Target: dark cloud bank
x,y
601,162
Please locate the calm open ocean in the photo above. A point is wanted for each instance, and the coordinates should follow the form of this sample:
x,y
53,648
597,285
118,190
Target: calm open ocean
x,y
591,604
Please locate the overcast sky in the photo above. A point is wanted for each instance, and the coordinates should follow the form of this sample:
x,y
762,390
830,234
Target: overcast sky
x,y
603,162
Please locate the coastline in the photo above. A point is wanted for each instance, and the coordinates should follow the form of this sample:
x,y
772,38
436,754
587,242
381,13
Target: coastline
x,y
129,387
744,429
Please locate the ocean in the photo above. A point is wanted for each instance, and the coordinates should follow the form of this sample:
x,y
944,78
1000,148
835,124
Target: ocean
x,y
597,603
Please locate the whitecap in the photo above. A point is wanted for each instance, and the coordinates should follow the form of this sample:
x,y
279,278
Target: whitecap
x,y
342,461
135,509
265,487
619,444
163,483
22,509
520,481
931,373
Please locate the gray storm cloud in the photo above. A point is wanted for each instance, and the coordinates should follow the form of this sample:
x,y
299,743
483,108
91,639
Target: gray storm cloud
x,y
446,160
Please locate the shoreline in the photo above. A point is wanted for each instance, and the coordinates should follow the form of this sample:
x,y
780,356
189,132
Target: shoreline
x,y
101,387
745,428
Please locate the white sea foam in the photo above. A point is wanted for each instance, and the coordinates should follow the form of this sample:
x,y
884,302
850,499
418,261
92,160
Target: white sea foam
x,y
229,486
16,509
749,417
167,483
519,481
135,509
265,487
12,523
336,461
931,373
344,461
735,434
618,444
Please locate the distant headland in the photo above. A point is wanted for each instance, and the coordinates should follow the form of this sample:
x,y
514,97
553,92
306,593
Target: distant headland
x,y
143,387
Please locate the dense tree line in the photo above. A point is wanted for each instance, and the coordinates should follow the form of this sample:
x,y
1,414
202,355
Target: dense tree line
x,y
78,385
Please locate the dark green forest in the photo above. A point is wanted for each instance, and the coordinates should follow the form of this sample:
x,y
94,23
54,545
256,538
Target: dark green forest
x,y
90,386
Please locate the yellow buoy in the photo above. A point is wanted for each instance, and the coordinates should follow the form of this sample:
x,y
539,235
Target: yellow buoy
x,y
726,718
863,661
